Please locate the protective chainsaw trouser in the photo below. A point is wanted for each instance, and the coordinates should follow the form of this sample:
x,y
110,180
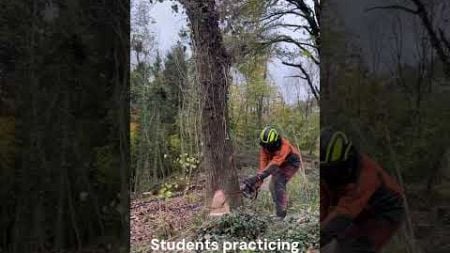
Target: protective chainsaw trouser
x,y
280,178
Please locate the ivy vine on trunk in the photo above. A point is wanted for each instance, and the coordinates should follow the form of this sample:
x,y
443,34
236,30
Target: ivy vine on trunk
x,y
213,65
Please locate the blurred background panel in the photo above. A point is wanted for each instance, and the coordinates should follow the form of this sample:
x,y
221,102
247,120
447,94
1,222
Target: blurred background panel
x,y
64,119
385,81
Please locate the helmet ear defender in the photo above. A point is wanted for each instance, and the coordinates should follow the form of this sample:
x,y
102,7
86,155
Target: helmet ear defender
x,y
338,158
338,149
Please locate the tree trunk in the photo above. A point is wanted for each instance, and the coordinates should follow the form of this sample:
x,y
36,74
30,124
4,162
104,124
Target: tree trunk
x,y
213,66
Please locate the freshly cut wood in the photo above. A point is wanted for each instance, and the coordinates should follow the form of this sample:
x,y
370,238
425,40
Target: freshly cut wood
x,y
219,204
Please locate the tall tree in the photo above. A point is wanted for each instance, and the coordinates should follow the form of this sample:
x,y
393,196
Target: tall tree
x,y
213,65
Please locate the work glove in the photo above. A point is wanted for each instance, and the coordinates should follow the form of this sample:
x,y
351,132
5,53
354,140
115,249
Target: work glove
x,y
250,185
259,178
267,172
333,228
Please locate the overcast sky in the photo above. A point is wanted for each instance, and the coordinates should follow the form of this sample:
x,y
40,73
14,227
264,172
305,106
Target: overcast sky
x,y
167,25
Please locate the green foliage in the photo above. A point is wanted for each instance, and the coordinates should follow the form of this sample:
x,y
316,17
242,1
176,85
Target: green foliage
x,y
157,103
242,226
255,103
301,127
188,163
306,234
167,190
237,225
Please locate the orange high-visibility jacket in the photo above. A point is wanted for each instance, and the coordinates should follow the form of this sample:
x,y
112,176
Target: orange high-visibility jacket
x,y
357,197
279,157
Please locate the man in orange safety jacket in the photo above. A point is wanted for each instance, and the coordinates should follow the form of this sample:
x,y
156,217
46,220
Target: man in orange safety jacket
x,y
361,205
279,158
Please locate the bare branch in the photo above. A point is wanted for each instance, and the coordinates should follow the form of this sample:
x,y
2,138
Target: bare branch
x,y
308,14
312,87
296,76
301,45
280,14
424,16
392,7
295,26
288,39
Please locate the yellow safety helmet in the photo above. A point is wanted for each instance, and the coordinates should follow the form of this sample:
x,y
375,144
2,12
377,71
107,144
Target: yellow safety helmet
x,y
270,139
338,158
335,147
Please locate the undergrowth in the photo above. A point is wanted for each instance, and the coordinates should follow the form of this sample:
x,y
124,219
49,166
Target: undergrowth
x,y
254,220
242,226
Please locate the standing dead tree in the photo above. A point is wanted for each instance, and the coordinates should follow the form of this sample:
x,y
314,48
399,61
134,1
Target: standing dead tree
x,y
213,65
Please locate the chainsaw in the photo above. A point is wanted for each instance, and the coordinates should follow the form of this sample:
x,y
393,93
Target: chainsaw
x,y
249,190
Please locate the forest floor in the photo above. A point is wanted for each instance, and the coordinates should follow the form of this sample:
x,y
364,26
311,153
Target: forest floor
x,y
153,217
183,215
